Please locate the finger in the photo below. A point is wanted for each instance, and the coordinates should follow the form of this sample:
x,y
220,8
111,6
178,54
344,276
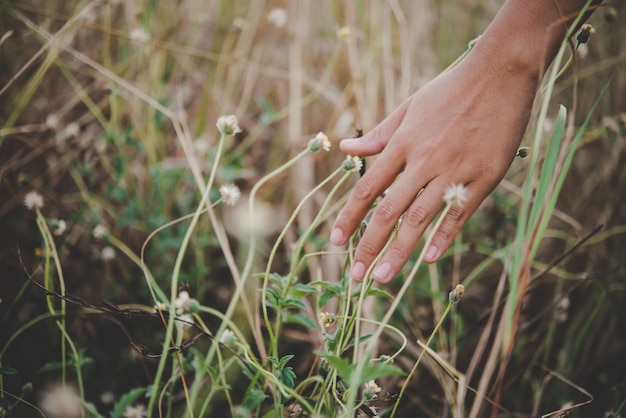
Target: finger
x,y
454,220
417,217
373,183
375,141
384,219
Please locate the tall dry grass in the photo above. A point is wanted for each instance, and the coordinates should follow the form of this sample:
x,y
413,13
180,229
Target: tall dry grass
x,y
108,110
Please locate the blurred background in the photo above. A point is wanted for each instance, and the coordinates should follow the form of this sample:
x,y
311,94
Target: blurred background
x,y
108,110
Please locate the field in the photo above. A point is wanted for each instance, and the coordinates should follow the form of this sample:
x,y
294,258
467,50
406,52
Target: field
x,y
161,258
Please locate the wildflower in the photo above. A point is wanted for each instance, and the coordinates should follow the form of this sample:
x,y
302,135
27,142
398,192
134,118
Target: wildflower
x,y
182,302
160,306
230,194
135,411
228,338
456,293
371,389
228,125
33,200
585,33
58,226
320,141
107,398
139,35
184,322
456,194
522,152
71,130
52,121
352,163
327,319
61,402
277,17
343,34
108,253
100,231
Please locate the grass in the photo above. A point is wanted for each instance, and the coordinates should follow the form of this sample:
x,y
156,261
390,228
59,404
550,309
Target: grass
x,y
108,111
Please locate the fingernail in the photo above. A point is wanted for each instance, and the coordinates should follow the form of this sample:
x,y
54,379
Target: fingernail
x,y
358,271
349,141
432,254
381,274
336,237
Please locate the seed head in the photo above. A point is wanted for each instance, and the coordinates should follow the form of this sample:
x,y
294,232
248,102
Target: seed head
x,y
228,125
108,253
230,194
228,338
585,33
33,200
326,318
456,194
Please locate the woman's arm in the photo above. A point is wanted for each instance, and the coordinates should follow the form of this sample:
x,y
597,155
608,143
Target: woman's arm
x,y
465,127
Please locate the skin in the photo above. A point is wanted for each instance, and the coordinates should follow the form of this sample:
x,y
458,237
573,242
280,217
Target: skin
x,y
463,127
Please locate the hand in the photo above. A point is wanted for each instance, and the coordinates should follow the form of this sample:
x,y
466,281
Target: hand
x,y
464,127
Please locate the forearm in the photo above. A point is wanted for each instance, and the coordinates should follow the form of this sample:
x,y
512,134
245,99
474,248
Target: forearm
x,y
525,35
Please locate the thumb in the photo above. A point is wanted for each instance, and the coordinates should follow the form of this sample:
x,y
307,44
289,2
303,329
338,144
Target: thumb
x,y
375,141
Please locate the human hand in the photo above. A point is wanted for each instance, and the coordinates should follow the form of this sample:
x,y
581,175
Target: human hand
x,y
464,127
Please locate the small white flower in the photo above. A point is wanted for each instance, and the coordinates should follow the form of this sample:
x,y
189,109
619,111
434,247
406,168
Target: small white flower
x,y
135,411
160,306
352,163
71,130
326,318
62,401
33,200
370,390
230,194
320,141
139,35
58,226
343,33
228,338
456,194
228,125
108,253
182,302
184,322
277,17
52,121
107,398
100,231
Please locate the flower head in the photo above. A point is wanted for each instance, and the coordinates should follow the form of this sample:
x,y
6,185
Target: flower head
x,y
228,338
370,390
182,302
184,322
585,33
58,226
456,293
228,125
320,141
108,253
352,163
100,231
230,194
456,194
139,35
522,152
61,401
33,200
326,318
343,33
277,17
135,411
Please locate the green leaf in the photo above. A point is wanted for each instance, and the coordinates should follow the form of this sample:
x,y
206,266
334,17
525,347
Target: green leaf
x,y
253,399
379,293
343,366
7,370
300,319
294,303
375,370
300,290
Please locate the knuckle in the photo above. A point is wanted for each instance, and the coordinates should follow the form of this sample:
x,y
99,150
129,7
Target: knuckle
x,y
399,253
366,250
363,189
387,211
415,217
456,213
